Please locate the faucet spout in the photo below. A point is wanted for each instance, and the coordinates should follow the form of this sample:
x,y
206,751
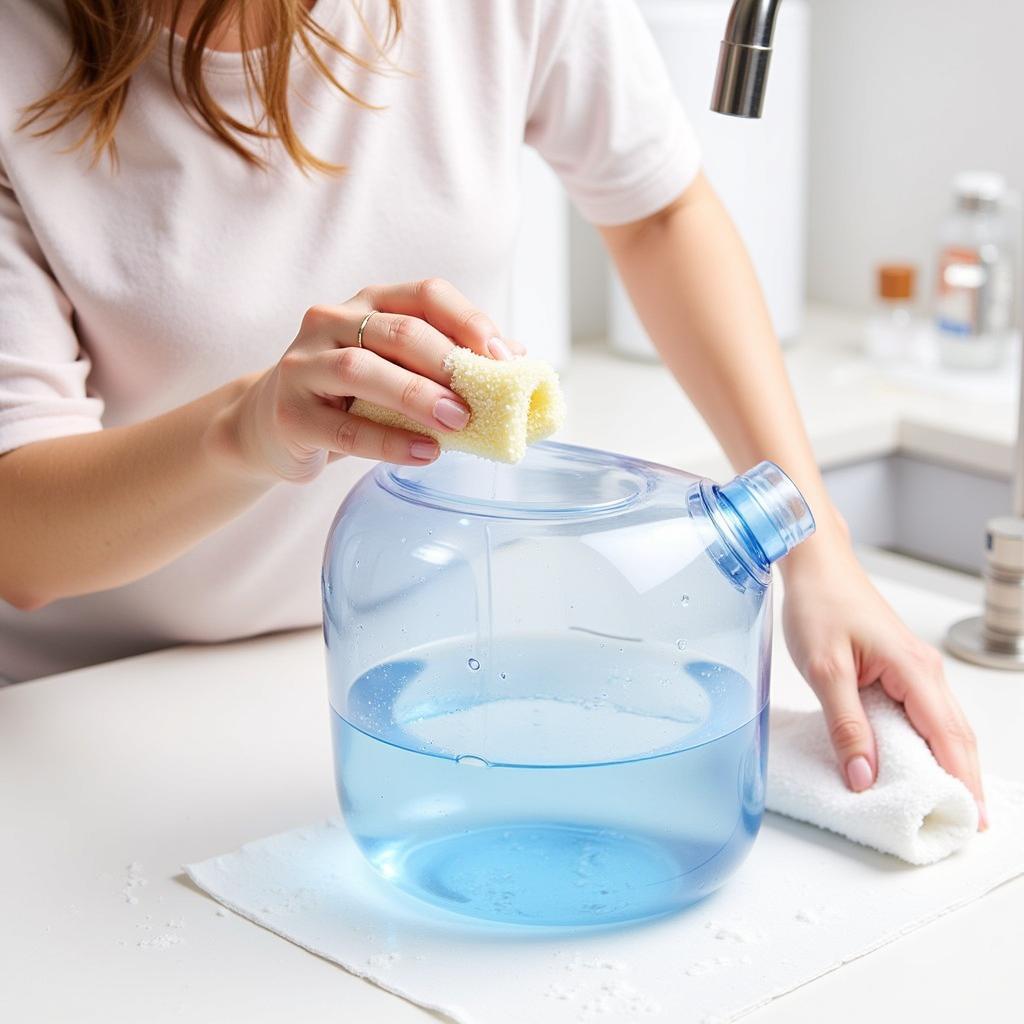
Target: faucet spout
x,y
744,58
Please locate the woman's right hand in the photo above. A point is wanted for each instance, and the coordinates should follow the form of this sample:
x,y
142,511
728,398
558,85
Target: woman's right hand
x,y
288,422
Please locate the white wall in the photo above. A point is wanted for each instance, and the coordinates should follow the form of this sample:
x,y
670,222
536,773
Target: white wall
x,y
904,93
588,280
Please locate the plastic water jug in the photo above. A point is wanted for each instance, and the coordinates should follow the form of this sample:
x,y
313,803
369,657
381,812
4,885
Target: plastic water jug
x,y
549,682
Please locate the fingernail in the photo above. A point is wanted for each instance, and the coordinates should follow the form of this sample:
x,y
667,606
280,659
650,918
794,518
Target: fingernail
x,y
498,349
982,816
425,451
858,772
451,413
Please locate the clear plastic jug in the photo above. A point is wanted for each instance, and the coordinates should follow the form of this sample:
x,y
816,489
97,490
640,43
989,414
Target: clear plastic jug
x,y
549,682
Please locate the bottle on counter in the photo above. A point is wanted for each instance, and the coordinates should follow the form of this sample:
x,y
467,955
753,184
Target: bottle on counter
x,y
889,334
974,286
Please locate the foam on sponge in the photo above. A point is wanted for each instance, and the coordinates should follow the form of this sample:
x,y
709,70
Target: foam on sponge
x,y
513,403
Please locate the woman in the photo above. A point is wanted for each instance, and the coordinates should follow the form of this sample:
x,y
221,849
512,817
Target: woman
x,y
203,180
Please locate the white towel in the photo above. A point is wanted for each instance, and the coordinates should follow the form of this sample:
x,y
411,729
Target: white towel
x,y
915,810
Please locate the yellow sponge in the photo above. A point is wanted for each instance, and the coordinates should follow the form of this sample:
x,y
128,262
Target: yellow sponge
x,y
513,403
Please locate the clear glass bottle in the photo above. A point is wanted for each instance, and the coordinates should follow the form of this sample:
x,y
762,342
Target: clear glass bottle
x,y
974,284
889,334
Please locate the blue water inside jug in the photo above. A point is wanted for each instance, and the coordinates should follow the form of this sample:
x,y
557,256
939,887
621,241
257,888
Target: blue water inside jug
x,y
642,812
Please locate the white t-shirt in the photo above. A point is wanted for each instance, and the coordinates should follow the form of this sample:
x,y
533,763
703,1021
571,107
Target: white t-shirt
x,y
126,293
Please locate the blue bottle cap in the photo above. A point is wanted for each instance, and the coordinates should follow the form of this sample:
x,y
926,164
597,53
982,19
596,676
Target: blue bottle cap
x,y
772,511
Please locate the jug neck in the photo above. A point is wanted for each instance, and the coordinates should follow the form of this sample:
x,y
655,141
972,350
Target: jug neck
x,y
758,517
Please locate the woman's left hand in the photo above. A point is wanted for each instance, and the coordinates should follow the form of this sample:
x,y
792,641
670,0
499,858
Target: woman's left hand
x,y
844,636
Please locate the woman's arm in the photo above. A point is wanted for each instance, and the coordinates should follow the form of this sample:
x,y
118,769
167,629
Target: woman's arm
x,y
93,511
692,283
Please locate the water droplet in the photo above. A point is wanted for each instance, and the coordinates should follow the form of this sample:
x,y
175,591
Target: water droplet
x,y
681,644
684,600
474,664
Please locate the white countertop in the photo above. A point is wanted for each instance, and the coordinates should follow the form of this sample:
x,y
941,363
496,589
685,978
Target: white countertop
x,y
854,409
176,756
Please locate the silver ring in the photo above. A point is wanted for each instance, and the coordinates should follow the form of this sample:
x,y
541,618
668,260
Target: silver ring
x,y
362,327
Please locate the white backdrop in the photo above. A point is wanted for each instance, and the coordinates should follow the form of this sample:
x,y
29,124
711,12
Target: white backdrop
x,y
904,93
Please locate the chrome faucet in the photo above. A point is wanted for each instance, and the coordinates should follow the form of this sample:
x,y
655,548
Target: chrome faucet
x,y
744,57
996,637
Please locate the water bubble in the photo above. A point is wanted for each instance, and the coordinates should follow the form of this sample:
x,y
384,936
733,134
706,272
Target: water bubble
x,y
473,664
472,761
681,644
684,600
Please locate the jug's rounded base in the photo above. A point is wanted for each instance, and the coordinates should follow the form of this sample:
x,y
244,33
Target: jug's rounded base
x,y
553,874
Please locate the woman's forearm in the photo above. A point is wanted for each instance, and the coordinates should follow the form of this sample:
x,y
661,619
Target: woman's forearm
x,y
695,289
93,511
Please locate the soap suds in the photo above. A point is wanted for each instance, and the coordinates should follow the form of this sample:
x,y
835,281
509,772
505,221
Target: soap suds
x,y
708,965
808,915
595,964
382,961
619,1000
564,992
600,990
134,880
737,931
164,941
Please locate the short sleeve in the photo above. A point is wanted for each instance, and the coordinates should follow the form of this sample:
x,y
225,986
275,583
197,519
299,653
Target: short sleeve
x,y
603,113
43,369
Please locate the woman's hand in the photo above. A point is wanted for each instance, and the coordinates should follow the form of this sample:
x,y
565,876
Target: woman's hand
x,y
843,636
291,420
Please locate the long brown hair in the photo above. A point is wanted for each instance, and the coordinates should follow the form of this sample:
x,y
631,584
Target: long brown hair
x,y
110,40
